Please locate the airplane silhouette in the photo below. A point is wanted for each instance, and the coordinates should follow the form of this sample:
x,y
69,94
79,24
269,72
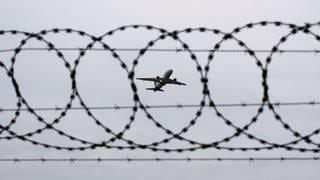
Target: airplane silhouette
x,y
159,82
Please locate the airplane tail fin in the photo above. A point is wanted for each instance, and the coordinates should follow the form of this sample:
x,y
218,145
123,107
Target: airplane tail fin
x,y
154,89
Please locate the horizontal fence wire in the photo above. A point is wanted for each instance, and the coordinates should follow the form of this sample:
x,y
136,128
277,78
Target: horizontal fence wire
x,y
302,51
166,106
184,159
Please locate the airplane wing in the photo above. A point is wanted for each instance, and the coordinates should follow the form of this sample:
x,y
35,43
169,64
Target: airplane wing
x,y
162,80
148,79
172,81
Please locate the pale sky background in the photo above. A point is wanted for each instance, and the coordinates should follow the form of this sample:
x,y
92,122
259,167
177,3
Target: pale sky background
x,y
234,78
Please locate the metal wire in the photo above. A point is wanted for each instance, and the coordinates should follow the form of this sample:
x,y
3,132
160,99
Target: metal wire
x,y
166,106
314,51
156,159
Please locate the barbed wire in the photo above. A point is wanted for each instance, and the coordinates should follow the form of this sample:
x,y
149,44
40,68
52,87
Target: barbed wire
x,y
313,51
206,100
157,159
166,106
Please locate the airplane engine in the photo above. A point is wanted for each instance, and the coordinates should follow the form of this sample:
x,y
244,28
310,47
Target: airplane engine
x,y
175,79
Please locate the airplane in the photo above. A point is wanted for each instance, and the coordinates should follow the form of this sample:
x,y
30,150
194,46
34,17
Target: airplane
x,y
159,82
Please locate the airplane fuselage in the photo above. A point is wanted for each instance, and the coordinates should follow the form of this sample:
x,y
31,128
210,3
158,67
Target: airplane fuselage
x,y
161,83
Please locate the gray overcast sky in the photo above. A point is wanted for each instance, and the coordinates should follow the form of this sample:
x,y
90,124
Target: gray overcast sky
x,y
234,78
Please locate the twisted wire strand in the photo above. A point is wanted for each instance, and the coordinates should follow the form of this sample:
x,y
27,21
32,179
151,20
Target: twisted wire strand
x,y
301,51
158,159
167,106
